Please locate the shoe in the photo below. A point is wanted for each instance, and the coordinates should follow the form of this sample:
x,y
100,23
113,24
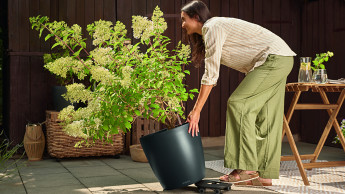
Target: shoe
x,y
243,177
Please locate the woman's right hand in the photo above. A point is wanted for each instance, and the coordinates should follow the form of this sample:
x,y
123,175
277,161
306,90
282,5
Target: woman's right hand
x,y
193,120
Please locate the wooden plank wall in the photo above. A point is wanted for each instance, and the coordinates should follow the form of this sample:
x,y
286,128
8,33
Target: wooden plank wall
x,y
307,26
323,29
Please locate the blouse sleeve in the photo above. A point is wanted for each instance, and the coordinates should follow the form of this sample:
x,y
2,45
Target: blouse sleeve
x,y
214,38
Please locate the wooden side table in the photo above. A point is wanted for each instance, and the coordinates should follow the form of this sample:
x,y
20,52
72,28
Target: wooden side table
x,y
332,109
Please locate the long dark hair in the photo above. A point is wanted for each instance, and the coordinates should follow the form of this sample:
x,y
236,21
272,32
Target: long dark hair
x,y
199,10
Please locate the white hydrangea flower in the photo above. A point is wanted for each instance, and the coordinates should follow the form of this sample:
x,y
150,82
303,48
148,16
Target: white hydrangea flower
x,y
158,20
60,66
185,51
103,75
173,103
102,32
165,74
126,73
142,27
76,92
66,114
103,56
77,34
120,28
75,129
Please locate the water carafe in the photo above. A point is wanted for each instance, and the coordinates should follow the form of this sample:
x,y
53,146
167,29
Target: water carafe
x,y
305,73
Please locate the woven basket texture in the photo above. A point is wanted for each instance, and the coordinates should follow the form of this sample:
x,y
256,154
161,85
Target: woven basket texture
x,y
61,145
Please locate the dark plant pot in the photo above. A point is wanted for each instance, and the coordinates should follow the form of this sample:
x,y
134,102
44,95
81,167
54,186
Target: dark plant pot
x,y
176,158
59,102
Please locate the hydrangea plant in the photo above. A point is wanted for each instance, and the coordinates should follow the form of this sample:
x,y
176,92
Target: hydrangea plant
x,y
126,81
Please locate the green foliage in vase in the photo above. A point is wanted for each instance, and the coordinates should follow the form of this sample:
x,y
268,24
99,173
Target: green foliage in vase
x,y
126,82
320,59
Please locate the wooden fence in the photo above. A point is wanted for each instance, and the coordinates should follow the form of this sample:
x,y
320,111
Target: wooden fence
x,y
308,27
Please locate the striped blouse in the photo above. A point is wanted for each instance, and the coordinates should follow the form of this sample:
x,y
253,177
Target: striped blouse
x,y
237,44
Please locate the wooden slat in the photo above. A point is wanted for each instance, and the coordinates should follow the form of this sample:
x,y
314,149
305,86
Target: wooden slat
x,y
315,106
303,157
71,12
323,164
89,18
38,86
109,10
146,124
214,126
99,9
224,78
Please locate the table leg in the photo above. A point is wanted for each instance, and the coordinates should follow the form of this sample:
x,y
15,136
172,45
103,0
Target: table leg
x,y
291,109
335,124
328,126
295,151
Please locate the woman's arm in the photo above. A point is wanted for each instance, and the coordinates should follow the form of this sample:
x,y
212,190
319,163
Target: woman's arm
x,y
194,116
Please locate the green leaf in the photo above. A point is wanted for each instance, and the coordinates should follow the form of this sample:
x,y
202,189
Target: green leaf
x,y
194,90
187,72
163,119
56,44
76,53
154,106
105,127
128,125
155,112
137,112
41,30
322,66
153,100
191,96
47,37
83,44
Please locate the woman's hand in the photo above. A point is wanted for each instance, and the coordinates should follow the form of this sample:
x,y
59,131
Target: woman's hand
x,y
193,120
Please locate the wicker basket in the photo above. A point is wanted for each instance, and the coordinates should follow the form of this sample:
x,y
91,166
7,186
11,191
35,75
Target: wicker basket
x,y
60,145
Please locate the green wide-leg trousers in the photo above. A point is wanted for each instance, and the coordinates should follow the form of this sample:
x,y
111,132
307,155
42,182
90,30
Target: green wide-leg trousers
x,y
254,119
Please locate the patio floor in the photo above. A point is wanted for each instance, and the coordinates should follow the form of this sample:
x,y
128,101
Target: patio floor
x,y
111,175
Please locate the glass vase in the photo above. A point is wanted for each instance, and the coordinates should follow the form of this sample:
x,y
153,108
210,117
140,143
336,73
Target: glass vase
x,y
305,73
320,76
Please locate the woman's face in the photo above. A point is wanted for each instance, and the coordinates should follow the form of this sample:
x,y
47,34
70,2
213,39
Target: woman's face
x,y
191,25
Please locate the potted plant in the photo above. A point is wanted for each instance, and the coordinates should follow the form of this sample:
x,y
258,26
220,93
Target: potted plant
x,y
128,82
320,73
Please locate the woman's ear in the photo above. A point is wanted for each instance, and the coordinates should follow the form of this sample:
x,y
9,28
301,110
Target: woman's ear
x,y
196,17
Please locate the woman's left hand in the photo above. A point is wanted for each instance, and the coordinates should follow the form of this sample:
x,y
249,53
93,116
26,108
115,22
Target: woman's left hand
x,y
193,120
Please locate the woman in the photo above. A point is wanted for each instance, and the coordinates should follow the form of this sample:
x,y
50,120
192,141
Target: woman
x,y
255,109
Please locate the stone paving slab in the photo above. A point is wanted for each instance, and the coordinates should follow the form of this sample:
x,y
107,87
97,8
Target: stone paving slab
x,y
144,175
91,171
12,184
46,180
81,162
106,181
68,189
125,162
